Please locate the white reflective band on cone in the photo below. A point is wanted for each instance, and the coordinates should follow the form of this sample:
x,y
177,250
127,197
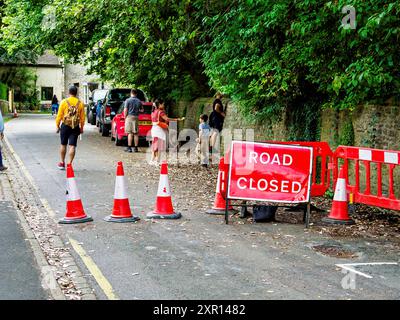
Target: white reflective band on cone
x,y
340,190
163,187
72,189
218,183
120,188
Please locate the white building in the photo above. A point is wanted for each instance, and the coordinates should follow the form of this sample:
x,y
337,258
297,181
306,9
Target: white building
x,y
54,77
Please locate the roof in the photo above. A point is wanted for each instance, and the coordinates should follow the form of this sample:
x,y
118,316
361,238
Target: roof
x,y
48,59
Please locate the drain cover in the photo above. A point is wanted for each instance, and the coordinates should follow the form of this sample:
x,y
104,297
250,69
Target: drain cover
x,y
334,251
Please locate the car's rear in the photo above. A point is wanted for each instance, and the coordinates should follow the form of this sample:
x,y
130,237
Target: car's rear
x,y
145,123
115,98
98,94
118,127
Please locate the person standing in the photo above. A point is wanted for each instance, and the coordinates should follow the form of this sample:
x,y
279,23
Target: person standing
x,y
133,106
217,100
204,140
2,167
158,131
217,118
70,122
54,105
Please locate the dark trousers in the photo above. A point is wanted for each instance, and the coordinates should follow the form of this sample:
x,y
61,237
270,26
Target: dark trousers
x,y
1,159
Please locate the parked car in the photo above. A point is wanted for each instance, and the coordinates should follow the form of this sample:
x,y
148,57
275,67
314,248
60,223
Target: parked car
x,y
111,104
98,94
118,124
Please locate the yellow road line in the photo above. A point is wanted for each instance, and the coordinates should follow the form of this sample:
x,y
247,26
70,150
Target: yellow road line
x,y
94,270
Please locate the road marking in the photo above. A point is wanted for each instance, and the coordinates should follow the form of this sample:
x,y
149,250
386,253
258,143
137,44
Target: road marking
x,y
94,270
349,267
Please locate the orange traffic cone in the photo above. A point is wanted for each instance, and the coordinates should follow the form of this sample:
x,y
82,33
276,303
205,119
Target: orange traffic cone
x,y
121,211
75,212
164,208
339,212
219,202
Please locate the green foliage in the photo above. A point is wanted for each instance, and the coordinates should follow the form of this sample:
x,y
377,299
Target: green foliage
x,y
346,136
23,81
329,194
267,55
3,92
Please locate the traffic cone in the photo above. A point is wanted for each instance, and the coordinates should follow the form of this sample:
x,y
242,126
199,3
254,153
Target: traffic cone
x,y
339,212
219,202
75,212
121,211
164,208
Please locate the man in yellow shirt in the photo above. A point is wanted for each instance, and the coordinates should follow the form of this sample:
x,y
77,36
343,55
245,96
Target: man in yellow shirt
x,y
71,116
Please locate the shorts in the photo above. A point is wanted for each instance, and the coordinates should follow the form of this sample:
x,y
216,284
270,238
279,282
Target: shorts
x,y
69,135
131,124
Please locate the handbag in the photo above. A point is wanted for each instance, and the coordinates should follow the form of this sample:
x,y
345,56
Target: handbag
x,y
264,213
161,124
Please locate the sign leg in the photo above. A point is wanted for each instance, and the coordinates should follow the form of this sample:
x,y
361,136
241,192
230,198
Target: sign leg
x,y
308,215
226,210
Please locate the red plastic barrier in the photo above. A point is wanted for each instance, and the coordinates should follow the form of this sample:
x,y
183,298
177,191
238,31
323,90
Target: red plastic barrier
x,y
320,149
366,156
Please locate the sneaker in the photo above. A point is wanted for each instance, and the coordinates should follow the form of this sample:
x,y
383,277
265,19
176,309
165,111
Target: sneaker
x,y
136,149
129,149
3,168
61,166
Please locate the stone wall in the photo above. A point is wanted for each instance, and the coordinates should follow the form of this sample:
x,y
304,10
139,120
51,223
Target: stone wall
x,y
367,126
191,110
372,125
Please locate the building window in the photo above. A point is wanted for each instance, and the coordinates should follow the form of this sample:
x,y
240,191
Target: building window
x,y
47,93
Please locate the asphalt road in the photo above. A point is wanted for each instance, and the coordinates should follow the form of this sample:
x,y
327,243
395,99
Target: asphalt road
x,y
19,275
196,257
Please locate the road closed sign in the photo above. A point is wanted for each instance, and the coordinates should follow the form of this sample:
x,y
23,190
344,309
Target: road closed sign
x,y
270,172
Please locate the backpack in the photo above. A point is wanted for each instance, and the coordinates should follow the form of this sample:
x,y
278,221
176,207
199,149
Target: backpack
x,y
72,118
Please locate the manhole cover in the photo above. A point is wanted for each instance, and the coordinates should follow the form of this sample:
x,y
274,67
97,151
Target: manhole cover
x,y
334,251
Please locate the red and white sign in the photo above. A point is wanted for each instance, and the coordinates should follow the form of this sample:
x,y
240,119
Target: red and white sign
x,y
270,172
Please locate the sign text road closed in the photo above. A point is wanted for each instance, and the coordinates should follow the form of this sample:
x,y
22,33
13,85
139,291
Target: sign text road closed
x,y
270,172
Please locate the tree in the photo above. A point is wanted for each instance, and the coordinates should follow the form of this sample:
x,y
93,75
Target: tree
x,y
268,55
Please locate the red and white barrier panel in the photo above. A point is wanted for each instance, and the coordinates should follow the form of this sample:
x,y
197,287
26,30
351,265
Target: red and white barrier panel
x,y
366,156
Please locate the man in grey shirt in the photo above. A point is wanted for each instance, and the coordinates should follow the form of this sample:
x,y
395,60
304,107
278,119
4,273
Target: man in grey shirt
x,y
132,107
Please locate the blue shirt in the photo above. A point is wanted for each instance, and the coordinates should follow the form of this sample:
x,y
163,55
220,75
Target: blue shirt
x,y
1,123
133,105
205,129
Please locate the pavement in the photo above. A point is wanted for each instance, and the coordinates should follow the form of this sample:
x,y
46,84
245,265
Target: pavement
x,y
198,256
20,276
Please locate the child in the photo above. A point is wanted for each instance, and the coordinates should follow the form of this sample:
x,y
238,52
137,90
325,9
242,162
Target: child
x,y
204,140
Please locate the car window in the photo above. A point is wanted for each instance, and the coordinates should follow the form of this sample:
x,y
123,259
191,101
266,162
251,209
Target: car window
x,y
99,95
123,94
119,95
121,108
147,109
